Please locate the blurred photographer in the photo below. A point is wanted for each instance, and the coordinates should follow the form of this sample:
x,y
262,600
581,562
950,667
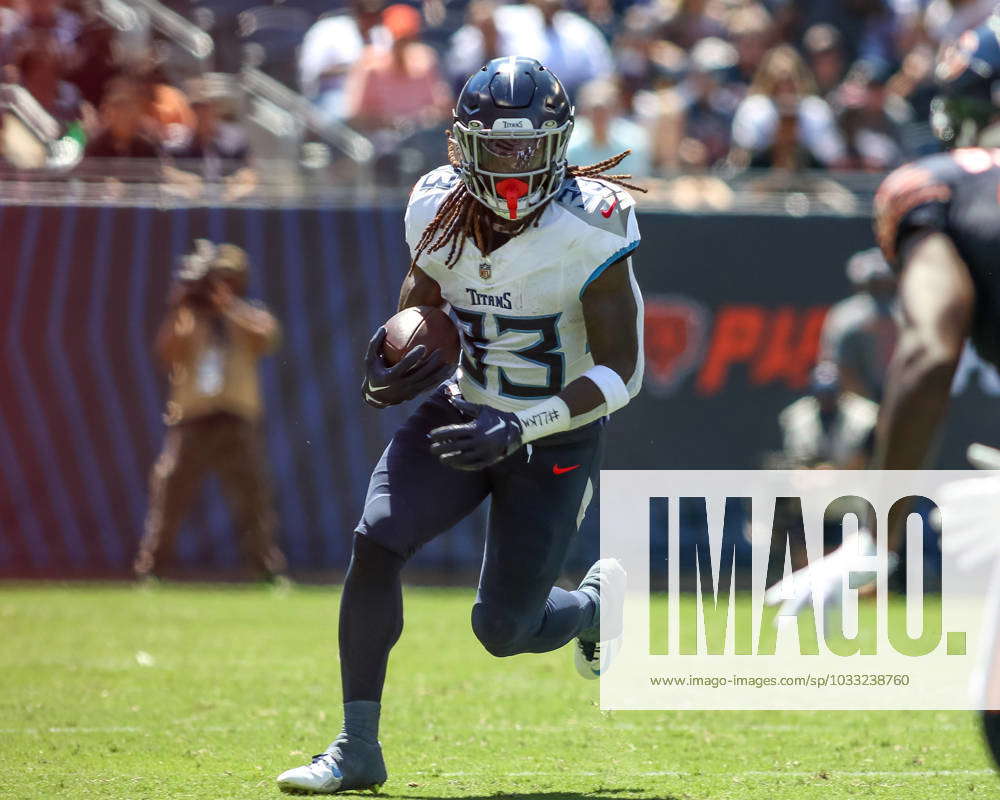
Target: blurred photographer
x,y
211,341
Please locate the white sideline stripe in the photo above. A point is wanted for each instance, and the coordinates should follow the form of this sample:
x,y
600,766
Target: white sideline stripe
x,y
756,773
622,726
109,729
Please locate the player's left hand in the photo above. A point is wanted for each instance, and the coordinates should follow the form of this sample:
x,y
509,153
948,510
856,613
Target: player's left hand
x,y
489,437
823,580
971,507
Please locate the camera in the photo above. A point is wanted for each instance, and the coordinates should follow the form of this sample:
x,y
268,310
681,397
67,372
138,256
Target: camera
x,y
197,274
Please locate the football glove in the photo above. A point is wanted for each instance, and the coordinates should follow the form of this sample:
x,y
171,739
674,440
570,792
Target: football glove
x,y
489,437
824,579
415,372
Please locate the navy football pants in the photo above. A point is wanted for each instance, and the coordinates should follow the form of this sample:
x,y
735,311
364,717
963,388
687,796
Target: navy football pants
x,y
539,495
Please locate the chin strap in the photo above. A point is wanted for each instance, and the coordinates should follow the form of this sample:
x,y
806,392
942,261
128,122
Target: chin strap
x,y
512,190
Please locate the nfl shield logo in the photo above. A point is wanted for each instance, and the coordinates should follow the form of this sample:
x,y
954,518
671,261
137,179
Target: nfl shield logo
x,y
485,270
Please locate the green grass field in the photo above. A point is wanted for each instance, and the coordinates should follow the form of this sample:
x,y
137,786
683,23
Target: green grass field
x,y
203,692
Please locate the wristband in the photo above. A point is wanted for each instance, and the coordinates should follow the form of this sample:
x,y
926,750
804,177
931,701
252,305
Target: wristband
x,y
612,386
548,417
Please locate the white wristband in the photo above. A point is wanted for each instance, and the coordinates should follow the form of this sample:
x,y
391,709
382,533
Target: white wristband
x,y
548,417
611,385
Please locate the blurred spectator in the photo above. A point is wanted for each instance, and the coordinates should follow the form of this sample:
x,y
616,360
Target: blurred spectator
x,y
859,333
569,45
475,43
166,108
219,148
601,131
946,20
97,58
645,63
867,28
752,32
829,427
124,129
690,21
782,122
871,119
40,71
914,85
826,57
400,88
13,14
332,46
212,340
695,133
51,18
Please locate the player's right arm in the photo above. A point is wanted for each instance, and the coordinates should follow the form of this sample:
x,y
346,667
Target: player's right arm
x,y
418,370
419,289
937,300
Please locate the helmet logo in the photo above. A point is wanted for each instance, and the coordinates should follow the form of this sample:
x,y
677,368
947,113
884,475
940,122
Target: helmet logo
x,y
520,124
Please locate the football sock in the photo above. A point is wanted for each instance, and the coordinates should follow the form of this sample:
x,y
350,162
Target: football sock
x,y
592,628
563,617
567,614
361,719
371,619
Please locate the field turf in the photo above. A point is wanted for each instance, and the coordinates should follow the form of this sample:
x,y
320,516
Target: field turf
x,y
210,692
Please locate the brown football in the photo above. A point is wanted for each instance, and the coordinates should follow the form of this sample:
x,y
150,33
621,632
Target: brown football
x,y
426,325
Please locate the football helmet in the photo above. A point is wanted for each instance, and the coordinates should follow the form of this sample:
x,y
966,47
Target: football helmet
x,y
967,73
513,120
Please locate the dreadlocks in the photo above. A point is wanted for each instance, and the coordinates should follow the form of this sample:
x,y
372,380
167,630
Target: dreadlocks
x,y
461,216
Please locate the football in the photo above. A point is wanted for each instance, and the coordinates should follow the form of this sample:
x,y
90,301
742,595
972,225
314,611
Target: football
x,y
426,325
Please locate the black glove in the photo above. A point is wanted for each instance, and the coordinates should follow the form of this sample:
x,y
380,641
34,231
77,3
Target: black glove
x,y
490,437
415,372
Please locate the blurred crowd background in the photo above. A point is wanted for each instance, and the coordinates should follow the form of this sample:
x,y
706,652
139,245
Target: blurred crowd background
x,y
365,88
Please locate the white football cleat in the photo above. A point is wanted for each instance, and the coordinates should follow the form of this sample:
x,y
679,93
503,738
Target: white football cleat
x,y
597,647
348,763
322,776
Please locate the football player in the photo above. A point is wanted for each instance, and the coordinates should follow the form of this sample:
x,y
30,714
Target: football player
x,y
938,222
532,258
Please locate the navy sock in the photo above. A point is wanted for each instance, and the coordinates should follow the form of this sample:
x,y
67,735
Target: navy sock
x,y
361,719
567,615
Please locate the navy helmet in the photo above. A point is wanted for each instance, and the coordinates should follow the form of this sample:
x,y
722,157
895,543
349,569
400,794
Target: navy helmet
x,y
513,120
964,112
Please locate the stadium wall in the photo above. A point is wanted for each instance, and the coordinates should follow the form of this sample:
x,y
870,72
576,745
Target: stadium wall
x,y
733,308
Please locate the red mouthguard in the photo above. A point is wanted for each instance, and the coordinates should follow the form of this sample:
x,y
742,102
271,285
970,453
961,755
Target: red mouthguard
x,y
512,190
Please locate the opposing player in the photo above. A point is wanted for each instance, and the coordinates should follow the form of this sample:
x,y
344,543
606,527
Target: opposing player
x,y
938,223
533,258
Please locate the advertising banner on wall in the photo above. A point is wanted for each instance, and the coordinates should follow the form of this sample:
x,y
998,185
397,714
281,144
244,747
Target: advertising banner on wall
x,y
734,308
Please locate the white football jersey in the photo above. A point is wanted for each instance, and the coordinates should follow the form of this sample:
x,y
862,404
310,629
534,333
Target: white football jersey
x,y
519,308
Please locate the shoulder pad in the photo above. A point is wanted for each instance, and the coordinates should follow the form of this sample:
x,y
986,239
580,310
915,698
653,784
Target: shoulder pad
x,y
437,181
598,203
425,200
910,186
